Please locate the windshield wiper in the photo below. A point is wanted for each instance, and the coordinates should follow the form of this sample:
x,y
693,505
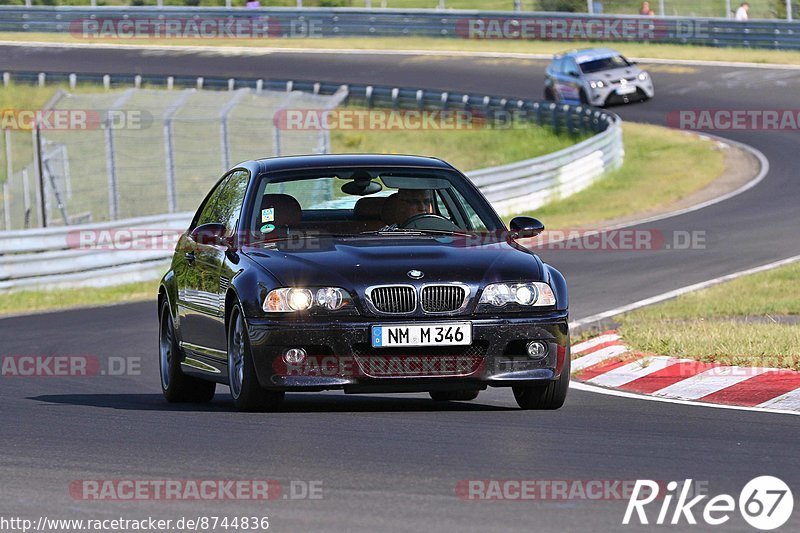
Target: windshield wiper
x,y
389,230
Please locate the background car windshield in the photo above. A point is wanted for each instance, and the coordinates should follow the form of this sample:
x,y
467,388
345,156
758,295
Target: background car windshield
x,y
357,201
606,63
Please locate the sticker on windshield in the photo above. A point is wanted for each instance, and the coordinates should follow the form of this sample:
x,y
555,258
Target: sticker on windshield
x,y
266,228
268,215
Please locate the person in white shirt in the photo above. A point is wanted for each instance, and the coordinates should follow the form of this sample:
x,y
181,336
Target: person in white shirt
x,y
741,13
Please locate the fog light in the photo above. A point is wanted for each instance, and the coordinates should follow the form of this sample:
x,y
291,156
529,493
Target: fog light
x,y
537,350
294,356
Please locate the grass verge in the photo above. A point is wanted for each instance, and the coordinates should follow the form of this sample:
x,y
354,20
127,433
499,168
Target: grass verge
x,y
751,321
649,50
661,167
40,301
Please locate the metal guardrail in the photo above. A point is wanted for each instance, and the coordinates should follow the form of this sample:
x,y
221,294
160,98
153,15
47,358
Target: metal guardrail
x,y
54,256
88,22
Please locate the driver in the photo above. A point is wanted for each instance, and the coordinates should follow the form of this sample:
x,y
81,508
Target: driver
x,y
412,202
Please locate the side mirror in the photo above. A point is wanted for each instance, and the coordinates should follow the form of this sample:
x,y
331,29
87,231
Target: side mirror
x,y
573,74
523,227
211,234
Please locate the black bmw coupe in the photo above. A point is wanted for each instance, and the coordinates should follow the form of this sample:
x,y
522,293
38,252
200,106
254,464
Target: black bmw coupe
x,y
366,273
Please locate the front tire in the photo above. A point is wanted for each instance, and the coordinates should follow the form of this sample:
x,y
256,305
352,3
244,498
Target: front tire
x,y
550,396
454,396
175,385
247,393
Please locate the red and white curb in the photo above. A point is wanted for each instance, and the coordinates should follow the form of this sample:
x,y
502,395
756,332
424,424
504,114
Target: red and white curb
x,y
606,361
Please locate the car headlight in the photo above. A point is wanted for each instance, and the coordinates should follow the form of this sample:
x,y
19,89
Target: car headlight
x,y
290,299
644,76
533,294
599,84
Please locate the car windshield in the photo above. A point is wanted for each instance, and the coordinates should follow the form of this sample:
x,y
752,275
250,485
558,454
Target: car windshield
x,y
606,63
367,201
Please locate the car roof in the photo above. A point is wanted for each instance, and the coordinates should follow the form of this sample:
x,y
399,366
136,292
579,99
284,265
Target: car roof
x,y
589,54
272,164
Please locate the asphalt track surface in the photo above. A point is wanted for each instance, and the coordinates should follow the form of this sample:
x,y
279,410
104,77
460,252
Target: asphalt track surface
x,y
393,461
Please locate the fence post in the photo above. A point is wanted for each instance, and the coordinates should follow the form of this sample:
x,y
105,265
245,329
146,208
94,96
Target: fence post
x,y
169,150
7,184
223,127
789,10
111,156
6,206
26,199
590,7
662,9
728,9
41,184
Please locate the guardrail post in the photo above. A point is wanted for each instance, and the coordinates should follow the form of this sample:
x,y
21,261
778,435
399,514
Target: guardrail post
x,y
6,78
73,81
395,95
789,10
590,7
368,95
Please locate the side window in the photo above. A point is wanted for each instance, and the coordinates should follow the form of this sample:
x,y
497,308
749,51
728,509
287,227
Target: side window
x,y
207,213
231,197
571,67
225,203
558,65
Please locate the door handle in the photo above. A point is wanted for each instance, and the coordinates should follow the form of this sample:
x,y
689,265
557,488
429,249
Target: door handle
x,y
189,257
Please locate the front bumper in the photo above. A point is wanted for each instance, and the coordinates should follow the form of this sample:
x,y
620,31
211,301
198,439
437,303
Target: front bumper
x,y
608,95
340,355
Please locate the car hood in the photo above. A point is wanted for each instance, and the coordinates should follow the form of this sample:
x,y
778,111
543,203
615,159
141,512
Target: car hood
x,y
615,74
361,262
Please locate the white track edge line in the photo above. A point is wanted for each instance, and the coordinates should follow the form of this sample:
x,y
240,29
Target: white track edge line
x,y
243,50
683,290
577,385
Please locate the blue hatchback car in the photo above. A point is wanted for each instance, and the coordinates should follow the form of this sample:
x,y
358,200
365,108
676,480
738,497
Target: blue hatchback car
x,y
596,76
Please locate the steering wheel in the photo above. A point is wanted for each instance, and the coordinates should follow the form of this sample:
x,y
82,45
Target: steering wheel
x,y
435,222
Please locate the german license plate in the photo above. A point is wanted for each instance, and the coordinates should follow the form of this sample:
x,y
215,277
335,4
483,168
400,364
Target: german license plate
x,y
458,334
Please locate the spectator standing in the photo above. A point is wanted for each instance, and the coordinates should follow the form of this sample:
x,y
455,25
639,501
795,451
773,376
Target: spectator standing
x,y
741,13
646,11
252,4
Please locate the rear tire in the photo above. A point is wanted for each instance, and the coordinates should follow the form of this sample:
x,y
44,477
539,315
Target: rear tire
x,y
247,393
583,98
175,385
550,396
454,396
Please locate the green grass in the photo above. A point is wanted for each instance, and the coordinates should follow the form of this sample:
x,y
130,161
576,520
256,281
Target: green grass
x,y
648,50
661,167
39,301
465,149
735,323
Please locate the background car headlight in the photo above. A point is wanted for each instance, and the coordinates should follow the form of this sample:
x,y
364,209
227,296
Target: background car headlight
x,y
289,299
644,76
599,84
534,294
